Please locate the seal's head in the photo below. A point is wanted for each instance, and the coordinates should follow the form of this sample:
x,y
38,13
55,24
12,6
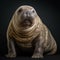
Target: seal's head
x,y
26,15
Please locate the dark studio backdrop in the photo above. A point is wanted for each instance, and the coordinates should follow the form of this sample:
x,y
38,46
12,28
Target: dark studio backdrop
x,y
47,10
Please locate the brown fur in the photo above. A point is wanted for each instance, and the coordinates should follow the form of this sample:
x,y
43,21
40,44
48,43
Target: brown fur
x,y
37,32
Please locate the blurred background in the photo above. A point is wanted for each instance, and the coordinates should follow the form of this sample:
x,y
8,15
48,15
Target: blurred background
x,y
46,9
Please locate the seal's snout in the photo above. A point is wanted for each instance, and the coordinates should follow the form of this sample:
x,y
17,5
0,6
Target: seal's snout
x,y
28,13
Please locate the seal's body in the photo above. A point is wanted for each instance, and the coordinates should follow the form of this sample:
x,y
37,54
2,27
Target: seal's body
x,y
27,29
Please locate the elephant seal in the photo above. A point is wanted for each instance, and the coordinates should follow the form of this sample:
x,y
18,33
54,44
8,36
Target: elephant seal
x,y
28,30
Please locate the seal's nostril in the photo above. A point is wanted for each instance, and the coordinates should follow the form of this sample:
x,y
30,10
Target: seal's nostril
x,y
27,12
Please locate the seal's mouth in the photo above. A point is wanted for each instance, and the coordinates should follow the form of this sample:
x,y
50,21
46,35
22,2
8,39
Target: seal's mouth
x,y
27,22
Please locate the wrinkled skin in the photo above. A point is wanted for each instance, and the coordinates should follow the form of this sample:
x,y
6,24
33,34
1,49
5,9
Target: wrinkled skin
x,y
29,31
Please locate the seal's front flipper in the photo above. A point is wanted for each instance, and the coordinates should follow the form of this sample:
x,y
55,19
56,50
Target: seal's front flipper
x,y
11,49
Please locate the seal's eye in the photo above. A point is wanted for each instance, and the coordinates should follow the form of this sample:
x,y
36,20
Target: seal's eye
x,y
20,10
33,11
